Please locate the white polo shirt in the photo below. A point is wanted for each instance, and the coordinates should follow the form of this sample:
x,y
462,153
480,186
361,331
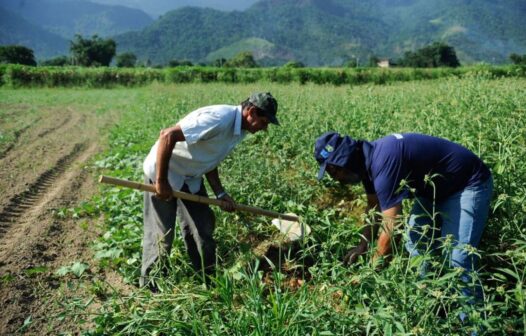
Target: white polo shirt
x,y
211,133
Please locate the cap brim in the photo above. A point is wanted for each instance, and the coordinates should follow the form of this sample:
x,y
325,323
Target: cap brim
x,y
322,170
272,119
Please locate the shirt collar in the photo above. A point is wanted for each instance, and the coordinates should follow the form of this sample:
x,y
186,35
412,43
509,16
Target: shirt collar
x,y
237,121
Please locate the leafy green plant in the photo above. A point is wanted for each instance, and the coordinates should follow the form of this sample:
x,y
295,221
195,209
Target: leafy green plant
x,y
76,268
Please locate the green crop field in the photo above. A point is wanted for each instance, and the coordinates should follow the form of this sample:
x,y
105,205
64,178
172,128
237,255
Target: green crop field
x,y
306,290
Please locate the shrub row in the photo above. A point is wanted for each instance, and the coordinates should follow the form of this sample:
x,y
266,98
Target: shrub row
x,y
24,76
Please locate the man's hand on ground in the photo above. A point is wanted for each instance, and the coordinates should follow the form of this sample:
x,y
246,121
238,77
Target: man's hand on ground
x,y
351,257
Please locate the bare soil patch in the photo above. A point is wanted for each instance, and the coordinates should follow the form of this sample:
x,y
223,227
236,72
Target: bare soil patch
x,y
42,169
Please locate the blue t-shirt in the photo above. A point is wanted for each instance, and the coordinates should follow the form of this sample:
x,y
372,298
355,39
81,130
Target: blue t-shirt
x,y
411,157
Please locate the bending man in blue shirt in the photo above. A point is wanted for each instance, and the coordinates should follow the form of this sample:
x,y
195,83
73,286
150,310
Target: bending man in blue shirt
x,y
452,188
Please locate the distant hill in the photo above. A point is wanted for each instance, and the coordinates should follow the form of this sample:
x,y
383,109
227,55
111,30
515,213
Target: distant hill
x,y
310,33
329,32
262,50
69,17
315,32
159,7
15,30
480,30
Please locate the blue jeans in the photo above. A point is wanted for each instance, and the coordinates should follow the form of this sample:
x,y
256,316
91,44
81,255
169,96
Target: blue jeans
x,y
462,217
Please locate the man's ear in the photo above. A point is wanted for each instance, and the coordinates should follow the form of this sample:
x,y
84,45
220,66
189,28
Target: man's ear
x,y
252,110
247,111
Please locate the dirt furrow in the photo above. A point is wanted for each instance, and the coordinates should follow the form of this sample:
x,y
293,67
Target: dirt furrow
x,y
42,172
54,128
37,149
17,135
19,204
38,242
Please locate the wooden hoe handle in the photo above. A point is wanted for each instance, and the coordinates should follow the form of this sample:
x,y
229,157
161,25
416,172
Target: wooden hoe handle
x,y
195,198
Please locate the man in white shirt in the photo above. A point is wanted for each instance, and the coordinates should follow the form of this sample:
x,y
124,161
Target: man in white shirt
x,y
183,154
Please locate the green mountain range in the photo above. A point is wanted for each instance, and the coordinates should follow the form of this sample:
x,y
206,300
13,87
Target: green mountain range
x,y
69,17
315,32
46,26
330,32
159,7
15,30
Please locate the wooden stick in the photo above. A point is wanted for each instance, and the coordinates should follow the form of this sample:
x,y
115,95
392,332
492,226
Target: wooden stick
x,y
196,198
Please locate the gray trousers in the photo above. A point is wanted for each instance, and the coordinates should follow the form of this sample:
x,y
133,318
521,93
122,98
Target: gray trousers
x,y
197,222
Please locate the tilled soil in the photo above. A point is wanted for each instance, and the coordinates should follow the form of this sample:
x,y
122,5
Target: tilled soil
x,y
41,171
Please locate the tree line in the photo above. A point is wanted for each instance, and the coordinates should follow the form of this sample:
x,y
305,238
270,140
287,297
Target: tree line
x,y
96,51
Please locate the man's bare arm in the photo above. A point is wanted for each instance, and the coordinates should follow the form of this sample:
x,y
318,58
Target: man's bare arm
x,y
367,233
167,140
390,217
215,183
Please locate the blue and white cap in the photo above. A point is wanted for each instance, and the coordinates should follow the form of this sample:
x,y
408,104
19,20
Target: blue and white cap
x,y
332,148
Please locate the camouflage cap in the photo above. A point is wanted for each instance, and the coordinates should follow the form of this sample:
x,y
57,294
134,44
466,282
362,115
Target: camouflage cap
x,y
267,104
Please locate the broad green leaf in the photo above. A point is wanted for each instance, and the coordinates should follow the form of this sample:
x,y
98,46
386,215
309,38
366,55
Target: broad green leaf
x,y
78,268
64,270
